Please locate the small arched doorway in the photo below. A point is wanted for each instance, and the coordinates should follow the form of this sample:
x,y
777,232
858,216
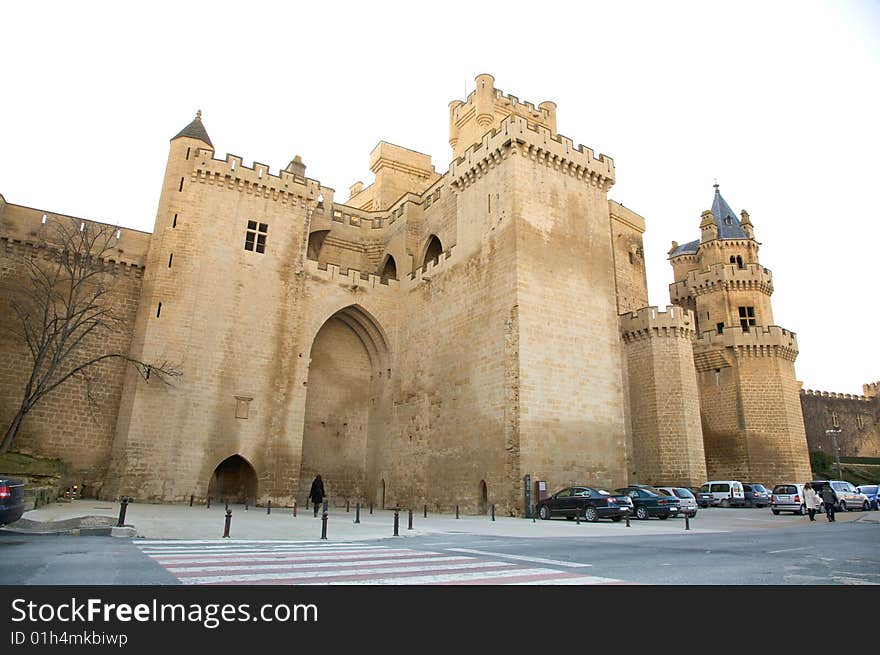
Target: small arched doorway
x,y
484,497
234,480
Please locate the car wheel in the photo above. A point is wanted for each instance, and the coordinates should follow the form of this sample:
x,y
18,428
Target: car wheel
x,y
692,515
591,515
775,511
801,510
865,506
642,513
725,503
544,512
843,506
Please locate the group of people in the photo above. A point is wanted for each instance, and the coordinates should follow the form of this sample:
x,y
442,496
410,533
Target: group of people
x,y
813,500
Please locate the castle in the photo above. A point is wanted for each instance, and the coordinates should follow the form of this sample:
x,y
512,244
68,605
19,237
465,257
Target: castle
x,y
438,338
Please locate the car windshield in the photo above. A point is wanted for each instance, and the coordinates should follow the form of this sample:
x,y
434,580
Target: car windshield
x,y
665,492
683,493
868,489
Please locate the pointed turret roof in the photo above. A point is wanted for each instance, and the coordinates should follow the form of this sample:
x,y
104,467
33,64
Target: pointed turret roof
x,y
728,224
195,130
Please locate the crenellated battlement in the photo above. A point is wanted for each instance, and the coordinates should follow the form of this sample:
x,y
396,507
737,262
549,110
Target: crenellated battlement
x,y
838,396
349,276
286,187
723,277
433,267
871,389
516,135
651,323
767,341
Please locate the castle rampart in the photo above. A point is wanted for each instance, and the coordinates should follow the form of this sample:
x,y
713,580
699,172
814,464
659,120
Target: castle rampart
x,y
649,322
767,341
723,277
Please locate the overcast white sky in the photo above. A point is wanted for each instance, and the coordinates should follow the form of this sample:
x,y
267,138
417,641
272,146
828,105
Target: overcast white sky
x,y
777,100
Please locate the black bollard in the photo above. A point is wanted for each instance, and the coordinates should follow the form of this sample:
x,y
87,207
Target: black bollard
x,y
269,506
687,522
627,519
357,513
347,506
190,501
307,502
426,511
324,525
456,511
409,527
493,511
577,518
245,505
228,523
371,508
122,507
208,504
294,508
396,520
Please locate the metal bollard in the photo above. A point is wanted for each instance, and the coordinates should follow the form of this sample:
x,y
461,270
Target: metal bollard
x,y
269,506
426,511
493,511
228,523
294,509
456,511
245,505
347,506
409,527
371,508
208,504
627,519
324,525
396,520
122,507
190,501
357,513
577,518
687,522
534,512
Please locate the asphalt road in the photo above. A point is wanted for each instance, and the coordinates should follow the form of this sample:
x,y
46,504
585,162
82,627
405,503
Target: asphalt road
x,y
732,547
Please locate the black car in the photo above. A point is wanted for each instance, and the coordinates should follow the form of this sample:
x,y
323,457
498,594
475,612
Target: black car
x,y
11,499
591,503
705,498
757,495
650,502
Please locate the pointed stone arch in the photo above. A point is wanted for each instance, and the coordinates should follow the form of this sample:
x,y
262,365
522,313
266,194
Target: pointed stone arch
x,y
345,394
234,480
388,269
316,242
433,250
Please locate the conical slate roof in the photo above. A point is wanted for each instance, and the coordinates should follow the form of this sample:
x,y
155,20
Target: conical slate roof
x,y
195,130
728,224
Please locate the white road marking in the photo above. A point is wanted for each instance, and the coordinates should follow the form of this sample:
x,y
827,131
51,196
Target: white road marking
x,y
787,550
537,560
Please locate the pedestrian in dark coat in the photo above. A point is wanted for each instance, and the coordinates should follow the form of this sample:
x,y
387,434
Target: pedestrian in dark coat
x,y
316,493
829,497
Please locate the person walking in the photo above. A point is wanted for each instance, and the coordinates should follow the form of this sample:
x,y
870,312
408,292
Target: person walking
x,y
830,500
316,493
811,500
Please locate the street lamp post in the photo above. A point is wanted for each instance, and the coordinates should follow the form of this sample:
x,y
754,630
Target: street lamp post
x,y
833,434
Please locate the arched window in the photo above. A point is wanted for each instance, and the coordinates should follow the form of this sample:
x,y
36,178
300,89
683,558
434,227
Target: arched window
x,y
389,270
433,252
316,240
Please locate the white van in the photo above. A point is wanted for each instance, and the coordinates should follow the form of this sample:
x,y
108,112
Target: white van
x,y
726,493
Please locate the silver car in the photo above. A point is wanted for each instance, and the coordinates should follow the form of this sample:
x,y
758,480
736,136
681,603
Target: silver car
x,y
686,496
788,498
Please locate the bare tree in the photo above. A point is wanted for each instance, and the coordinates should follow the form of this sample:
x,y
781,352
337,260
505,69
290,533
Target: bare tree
x,y
64,311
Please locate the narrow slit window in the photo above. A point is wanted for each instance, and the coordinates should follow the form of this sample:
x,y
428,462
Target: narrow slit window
x,y
187,153
180,188
174,221
158,310
170,257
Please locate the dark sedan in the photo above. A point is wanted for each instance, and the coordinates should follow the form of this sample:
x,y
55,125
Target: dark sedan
x,y
591,503
650,502
757,495
11,499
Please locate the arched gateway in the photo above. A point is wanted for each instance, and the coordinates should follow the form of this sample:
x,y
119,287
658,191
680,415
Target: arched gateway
x,y
345,408
234,480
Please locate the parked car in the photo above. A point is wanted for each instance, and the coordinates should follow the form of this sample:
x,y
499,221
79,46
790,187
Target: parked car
x,y
788,497
757,495
685,496
870,491
848,497
589,502
704,498
650,502
11,499
725,493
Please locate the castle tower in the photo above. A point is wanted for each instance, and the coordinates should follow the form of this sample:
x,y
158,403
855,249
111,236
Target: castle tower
x,y
753,428
667,441
219,302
